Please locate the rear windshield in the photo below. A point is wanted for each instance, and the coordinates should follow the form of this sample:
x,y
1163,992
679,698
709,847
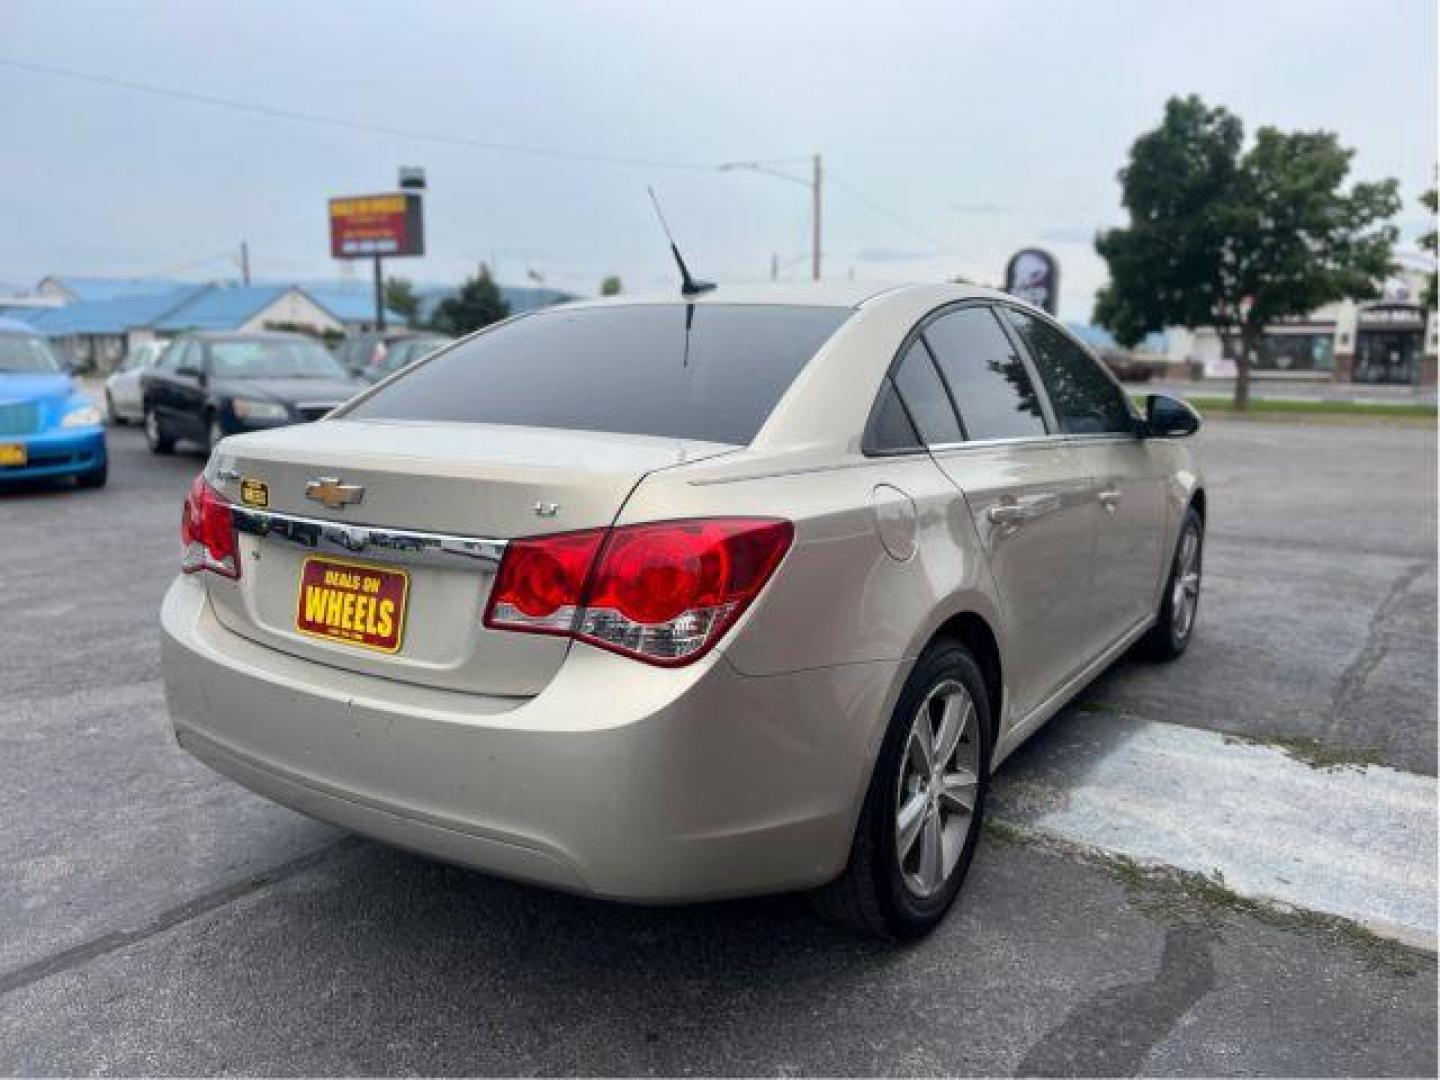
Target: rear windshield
x,y
634,370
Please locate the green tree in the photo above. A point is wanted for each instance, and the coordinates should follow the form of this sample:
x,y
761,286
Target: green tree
x,y
400,298
1431,242
611,286
477,304
1236,239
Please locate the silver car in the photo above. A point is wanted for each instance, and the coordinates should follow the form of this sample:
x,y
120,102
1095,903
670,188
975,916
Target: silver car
x,y
667,599
123,403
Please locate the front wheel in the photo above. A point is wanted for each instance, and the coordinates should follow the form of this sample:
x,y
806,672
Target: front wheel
x,y
1175,624
921,820
155,436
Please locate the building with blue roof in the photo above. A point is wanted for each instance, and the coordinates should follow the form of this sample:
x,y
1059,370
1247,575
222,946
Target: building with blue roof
x,y
80,289
97,320
98,332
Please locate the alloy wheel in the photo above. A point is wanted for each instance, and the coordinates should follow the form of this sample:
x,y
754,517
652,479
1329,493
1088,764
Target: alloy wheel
x,y
1185,594
937,787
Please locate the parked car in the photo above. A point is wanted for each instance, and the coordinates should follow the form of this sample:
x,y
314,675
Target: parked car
x,y
209,385
122,388
743,592
48,426
1127,367
364,351
403,353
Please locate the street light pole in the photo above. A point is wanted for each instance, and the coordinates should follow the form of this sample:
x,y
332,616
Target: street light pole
x,y
813,184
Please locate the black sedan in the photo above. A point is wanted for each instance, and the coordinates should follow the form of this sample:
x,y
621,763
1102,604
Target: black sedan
x,y
209,385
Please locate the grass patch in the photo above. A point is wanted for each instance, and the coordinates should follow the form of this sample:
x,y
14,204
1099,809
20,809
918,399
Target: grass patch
x,y
1313,752
1270,409
1002,833
1172,896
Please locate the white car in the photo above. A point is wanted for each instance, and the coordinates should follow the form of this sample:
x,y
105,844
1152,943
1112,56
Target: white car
x,y
690,596
122,389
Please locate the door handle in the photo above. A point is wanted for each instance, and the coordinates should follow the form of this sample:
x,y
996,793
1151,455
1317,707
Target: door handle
x,y
1012,512
1109,498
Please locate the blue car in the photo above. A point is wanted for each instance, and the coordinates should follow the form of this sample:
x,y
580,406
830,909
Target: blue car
x,y
48,427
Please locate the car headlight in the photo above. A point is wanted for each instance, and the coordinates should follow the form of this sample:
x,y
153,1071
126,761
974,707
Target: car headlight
x,y
84,416
247,409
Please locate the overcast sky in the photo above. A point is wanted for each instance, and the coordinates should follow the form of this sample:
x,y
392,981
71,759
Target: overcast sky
x,y
955,132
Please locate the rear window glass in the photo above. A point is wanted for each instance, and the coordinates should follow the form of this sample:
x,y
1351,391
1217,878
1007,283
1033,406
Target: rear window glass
x,y
634,370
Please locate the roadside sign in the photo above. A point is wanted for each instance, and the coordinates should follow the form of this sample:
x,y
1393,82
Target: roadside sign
x,y
366,226
1033,275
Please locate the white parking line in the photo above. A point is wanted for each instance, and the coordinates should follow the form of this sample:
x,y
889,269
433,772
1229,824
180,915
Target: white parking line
x,y
1348,841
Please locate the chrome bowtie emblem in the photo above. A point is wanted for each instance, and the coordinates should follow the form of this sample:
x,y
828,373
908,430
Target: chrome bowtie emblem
x,y
330,491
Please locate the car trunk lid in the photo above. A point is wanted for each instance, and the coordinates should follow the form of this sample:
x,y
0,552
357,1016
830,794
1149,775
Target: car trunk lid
x,y
415,513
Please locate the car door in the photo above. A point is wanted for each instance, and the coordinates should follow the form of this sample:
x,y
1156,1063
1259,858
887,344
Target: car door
x,y
1103,430
1028,495
187,391
156,385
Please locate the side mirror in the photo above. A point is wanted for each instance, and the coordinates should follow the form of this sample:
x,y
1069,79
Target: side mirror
x,y
1169,418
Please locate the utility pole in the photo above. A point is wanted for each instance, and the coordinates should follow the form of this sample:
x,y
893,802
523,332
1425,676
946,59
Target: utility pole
x,y
816,179
245,262
774,267
815,212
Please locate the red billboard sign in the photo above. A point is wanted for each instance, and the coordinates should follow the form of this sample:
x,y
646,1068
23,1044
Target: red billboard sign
x,y
364,226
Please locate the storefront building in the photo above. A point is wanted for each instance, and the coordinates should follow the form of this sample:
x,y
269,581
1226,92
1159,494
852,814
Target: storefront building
x,y
1392,340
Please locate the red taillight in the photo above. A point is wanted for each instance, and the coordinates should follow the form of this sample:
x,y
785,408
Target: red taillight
x,y
541,582
662,592
207,533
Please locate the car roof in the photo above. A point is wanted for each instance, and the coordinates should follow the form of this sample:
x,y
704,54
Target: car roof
x,y
845,293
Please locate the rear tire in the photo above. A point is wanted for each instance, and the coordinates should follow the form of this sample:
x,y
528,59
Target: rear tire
x,y
155,437
1175,625
902,877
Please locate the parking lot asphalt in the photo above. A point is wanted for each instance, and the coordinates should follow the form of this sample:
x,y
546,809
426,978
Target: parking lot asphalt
x,y
155,918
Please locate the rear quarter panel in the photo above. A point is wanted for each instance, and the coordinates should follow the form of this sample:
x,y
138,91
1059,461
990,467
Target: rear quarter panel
x,y
839,597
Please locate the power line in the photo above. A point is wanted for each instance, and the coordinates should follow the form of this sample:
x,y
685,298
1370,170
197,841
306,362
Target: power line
x,y
942,247
320,120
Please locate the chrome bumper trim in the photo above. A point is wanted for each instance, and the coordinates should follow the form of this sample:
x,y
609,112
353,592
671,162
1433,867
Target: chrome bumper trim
x,y
399,545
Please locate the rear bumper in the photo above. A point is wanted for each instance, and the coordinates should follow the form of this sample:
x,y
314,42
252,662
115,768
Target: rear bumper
x,y
619,780
57,453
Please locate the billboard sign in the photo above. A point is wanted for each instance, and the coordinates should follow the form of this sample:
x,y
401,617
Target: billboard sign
x,y
1034,276
365,226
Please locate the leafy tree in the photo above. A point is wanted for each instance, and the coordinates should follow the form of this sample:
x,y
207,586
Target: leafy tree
x,y
400,297
1236,240
477,304
1431,242
611,286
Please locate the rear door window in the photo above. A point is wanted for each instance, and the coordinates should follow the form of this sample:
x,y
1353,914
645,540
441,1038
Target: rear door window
x,y
713,373
925,397
1085,399
987,377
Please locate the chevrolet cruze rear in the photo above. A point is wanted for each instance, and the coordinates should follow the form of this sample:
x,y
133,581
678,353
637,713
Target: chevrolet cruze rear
x,y
665,600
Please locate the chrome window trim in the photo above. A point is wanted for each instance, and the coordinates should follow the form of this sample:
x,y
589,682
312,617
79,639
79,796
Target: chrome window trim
x,y
395,545
1049,439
